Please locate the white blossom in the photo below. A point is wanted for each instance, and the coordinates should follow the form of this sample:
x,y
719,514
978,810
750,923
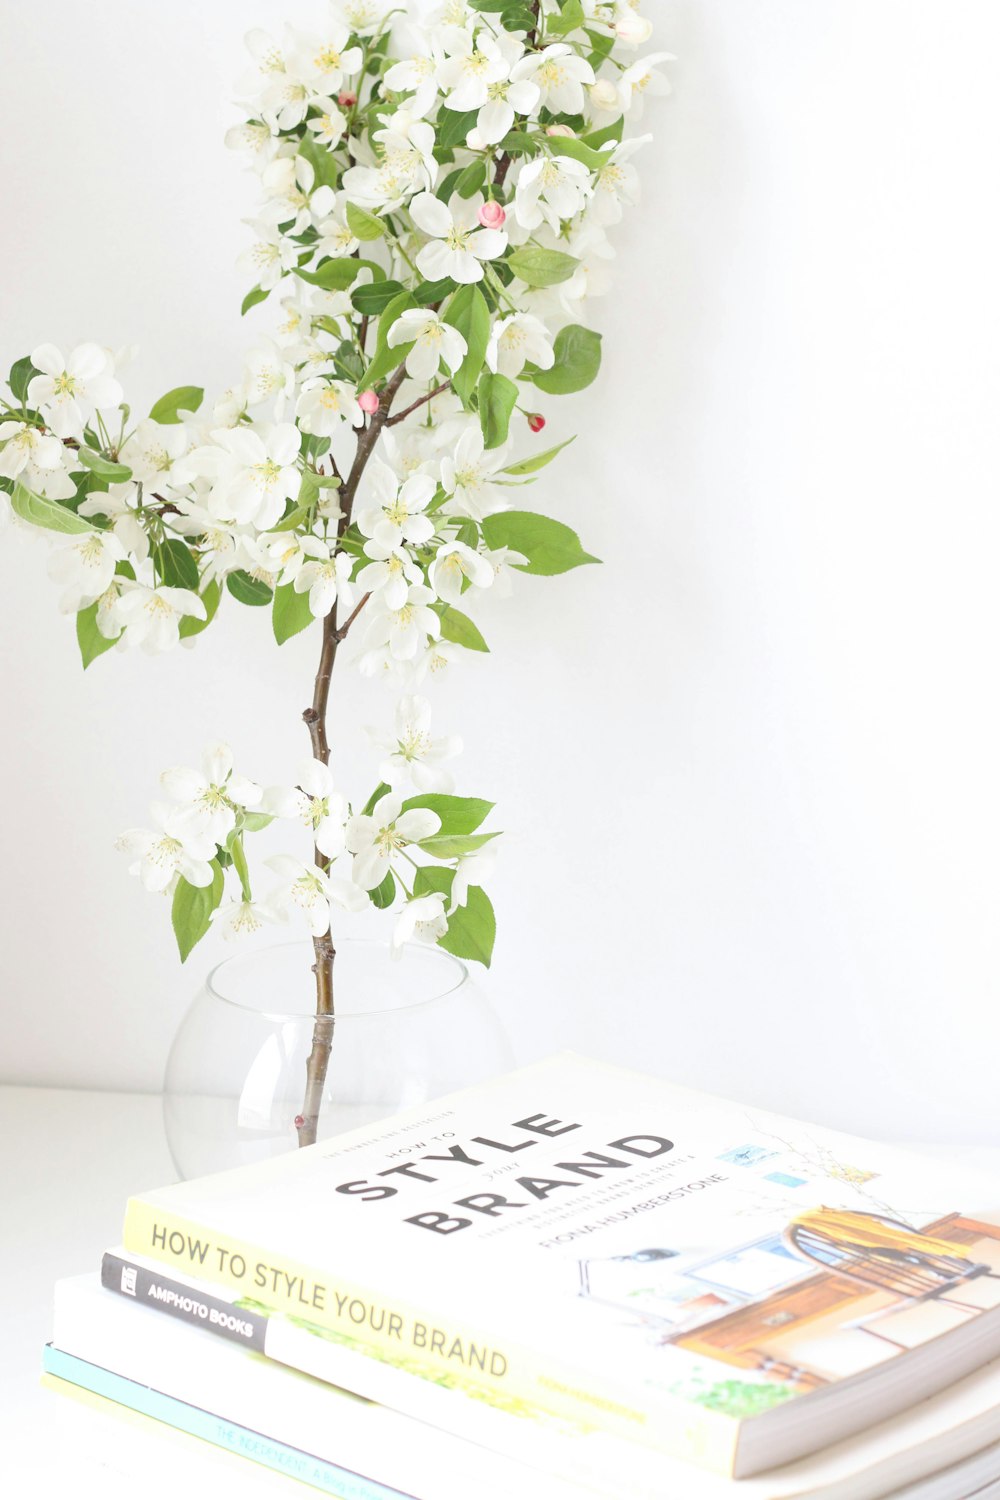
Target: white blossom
x,y
422,918
551,189
312,892
395,513
412,754
516,339
455,566
327,406
471,870
643,78
252,471
390,573
326,578
85,568
559,76
121,504
404,629
432,341
168,850
153,450
314,802
457,247
210,800
68,391
151,617
239,918
469,477
375,838
24,447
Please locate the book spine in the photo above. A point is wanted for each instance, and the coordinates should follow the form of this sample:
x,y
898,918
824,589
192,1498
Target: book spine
x,y
261,1449
430,1344
243,1325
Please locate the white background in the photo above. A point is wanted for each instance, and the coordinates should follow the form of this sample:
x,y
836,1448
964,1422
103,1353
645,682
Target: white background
x,y
749,765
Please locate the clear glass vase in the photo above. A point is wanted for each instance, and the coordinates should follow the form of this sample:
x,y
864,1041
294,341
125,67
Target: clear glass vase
x,y
406,1032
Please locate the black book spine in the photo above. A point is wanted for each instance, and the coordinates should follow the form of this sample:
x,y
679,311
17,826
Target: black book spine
x,y
127,1279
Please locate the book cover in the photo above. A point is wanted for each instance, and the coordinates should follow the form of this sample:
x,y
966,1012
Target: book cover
x,y
581,1239
66,1369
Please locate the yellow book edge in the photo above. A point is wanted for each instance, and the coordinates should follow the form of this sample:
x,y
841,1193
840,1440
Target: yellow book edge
x,y
512,1377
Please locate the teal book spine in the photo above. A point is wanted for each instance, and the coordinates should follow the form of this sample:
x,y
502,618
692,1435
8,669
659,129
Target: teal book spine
x,y
203,1424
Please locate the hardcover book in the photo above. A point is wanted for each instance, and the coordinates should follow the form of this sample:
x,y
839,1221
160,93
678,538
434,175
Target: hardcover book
x,y
733,1287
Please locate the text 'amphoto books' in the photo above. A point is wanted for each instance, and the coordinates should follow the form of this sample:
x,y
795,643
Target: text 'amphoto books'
x,y
582,1242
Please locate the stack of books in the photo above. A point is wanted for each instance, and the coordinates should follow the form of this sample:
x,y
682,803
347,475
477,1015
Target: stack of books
x,y
573,1281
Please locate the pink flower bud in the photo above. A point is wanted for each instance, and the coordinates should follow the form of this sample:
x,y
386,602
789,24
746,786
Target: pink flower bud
x,y
492,214
347,100
535,421
559,130
299,1121
368,401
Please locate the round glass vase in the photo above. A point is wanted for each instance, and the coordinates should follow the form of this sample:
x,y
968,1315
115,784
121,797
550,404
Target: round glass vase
x,y
406,1031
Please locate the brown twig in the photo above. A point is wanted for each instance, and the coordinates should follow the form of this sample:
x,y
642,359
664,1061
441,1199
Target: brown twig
x,y
324,952
421,401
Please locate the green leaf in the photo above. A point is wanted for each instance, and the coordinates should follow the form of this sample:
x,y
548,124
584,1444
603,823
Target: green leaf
x,y
453,126
385,360
549,546
377,296
252,298
497,398
210,596
290,613
253,822
471,179
385,894
577,353
467,311
376,796
457,814
92,643
248,590
539,267
321,159
612,132
472,929
571,145
22,372
433,291
104,468
340,273
191,912
519,143
48,514
570,18
489,5
184,398
538,461
362,224
459,629
518,18
455,845
176,565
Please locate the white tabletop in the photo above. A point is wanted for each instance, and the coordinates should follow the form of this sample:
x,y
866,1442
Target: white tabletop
x,y
68,1161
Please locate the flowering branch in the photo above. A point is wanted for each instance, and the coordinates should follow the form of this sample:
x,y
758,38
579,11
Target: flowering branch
x,y
437,205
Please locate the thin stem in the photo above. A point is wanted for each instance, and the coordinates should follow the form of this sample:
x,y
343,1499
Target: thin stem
x,y
324,952
437,391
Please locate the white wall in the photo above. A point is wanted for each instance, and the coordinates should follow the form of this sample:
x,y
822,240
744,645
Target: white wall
x,y
750,764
